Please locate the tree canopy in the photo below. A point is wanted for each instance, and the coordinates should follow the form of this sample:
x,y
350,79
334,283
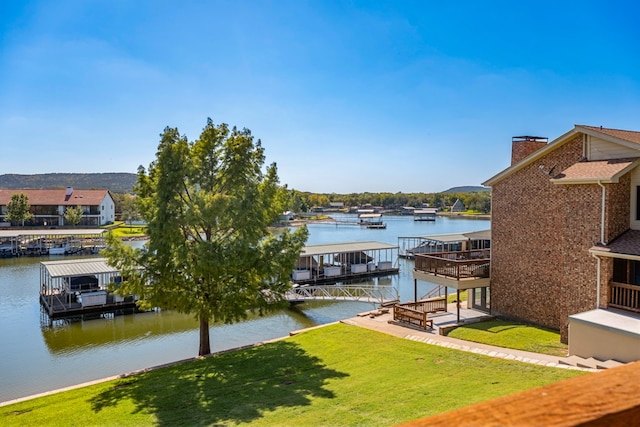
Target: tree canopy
x,y
208,205
129,209
73,216
18,209
474,200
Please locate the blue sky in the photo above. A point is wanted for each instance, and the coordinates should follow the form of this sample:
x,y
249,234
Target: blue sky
x,y
346,96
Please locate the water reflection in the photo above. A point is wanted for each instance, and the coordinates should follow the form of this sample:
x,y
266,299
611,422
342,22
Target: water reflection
x,y
36,358
72,336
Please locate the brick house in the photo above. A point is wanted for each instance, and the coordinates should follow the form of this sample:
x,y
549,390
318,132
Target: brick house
x,y
48,206
566,238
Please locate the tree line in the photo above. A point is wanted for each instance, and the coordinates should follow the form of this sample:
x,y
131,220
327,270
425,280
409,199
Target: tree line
x,y
479,201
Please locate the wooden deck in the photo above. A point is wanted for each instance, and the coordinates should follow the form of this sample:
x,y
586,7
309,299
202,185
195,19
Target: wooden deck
x,y
456,265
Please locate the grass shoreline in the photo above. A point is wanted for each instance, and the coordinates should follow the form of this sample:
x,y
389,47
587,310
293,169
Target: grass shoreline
x,y
343,353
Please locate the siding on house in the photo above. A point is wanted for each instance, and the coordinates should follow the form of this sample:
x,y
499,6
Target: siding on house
x,y
599,149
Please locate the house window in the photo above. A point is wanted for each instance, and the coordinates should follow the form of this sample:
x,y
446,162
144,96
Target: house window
x,y
626,271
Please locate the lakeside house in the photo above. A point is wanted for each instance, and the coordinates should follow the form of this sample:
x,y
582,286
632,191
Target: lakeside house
x,y
458,206
565,233
48,206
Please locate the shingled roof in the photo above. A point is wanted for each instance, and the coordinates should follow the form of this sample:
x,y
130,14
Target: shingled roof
x,y
624,137
605,171
627,244
57,197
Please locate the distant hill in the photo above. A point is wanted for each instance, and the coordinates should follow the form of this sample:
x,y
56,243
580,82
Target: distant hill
x,y
116,181
467,189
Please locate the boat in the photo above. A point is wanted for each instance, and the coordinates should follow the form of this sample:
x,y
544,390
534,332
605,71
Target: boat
x,y
60,249
371,220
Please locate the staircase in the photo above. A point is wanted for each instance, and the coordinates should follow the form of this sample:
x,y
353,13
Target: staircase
x,y
591,362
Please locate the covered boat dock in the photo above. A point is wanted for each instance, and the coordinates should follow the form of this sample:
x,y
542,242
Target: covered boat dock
x,y
80,287
24,242
452,242
427,214
340,262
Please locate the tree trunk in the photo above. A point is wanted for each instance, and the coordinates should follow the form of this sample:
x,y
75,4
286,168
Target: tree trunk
x,y
205,347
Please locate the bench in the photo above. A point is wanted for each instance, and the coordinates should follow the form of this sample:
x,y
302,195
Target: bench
x,y
412,317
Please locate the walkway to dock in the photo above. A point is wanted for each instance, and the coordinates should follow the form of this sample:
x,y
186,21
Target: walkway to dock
x,y
378,294
383,322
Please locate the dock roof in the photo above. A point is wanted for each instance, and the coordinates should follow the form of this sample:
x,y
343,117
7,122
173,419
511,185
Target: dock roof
x,y
457,237
425,211
50,232
336,248
370,215
78,267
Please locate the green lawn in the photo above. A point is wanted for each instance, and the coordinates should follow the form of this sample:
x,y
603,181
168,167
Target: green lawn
x,y
124,231
512,335
451,298
338,375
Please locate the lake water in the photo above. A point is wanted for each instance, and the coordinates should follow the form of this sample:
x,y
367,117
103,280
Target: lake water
x,y
35,358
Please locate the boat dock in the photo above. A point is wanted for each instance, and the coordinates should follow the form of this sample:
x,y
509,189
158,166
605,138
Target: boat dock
x,y
51,242
80,287
452,242
371,220
340,262
427,214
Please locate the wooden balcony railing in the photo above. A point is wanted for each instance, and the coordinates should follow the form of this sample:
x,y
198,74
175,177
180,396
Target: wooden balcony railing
x,y
457,265
626,297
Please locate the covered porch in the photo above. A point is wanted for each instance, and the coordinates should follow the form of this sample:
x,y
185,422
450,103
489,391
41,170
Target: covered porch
x,y
460,270
618,275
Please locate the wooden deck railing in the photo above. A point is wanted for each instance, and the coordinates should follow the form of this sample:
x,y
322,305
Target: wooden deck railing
x,y
457,265
416,313
624,296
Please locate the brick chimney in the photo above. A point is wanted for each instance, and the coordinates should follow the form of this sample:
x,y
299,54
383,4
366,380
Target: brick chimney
x,y
523,146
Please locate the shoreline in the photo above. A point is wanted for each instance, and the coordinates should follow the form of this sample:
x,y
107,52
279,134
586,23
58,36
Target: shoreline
x,y
153,368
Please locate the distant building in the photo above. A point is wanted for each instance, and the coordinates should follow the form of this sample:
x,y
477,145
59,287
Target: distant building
x,y
458,206
48,206
287,216
407,210
336,205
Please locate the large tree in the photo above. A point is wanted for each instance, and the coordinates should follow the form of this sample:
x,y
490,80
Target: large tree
x,y
209,205
18,209
73,216
129,209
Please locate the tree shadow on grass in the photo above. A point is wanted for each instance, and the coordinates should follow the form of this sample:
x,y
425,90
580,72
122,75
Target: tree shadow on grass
x,y
234,387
